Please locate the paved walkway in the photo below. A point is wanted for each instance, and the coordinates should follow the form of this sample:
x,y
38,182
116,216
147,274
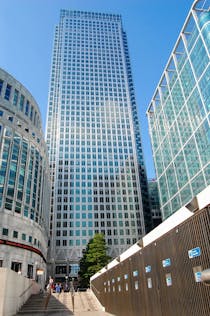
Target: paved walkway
x,y
85,303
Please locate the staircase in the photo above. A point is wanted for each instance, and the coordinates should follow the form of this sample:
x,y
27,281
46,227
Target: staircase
x,y
36,306
60,305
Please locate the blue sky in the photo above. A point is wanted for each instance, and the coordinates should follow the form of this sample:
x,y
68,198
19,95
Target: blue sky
x,y
152,27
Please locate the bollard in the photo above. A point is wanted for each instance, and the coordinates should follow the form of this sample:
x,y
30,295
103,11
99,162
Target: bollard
x,y
72,293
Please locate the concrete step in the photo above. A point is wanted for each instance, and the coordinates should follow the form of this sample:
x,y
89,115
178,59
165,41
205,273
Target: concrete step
x,y
84,302
36,306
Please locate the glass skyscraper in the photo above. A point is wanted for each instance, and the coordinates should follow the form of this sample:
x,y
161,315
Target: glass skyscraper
x,y
179,115
98,174
154,202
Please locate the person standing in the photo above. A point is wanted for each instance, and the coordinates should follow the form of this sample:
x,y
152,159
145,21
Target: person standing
x,y
49,291
57,289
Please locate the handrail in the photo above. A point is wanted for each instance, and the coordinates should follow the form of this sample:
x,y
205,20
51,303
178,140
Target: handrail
x,y
26,290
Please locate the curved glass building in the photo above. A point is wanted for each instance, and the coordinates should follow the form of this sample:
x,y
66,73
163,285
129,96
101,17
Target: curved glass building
x,y
24,180
179,115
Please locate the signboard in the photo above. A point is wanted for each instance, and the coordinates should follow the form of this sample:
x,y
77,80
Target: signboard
x,y
198,276
148,269
195,252
166,262
197,273
168,279
149,283
39,271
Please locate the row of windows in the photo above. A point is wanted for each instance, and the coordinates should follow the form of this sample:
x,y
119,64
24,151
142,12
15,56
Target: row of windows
x,y
91,68
97,85
20,101
85,158
109,232
11,119
74,38
99,156
82,176
121,158
17,267
72,268
90,17
90,63
94,170
102,25
92,111
88,46
83,130
68,14
120,195
83,86
91,135
78,89
92,74
93,143
86,51
107,192
83,242
102,207
17,235
83,28
96,199
69,124
96,215
74,233
108,223
103,162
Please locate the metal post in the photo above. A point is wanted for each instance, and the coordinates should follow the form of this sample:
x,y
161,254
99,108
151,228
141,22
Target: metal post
x,y
72,292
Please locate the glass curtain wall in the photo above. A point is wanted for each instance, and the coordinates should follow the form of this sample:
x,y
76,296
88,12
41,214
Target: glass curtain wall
x,y
179,117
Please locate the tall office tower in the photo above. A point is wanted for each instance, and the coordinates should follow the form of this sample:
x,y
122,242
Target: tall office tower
x,y
97,168
24,181
179,115
154,202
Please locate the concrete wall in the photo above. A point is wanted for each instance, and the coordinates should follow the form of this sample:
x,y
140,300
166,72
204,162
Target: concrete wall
x,y
14,291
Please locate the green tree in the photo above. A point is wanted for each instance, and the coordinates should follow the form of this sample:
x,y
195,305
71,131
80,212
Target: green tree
x,y
94,258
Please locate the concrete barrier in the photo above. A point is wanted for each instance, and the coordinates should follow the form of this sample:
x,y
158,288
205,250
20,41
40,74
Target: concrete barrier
x,y
14,291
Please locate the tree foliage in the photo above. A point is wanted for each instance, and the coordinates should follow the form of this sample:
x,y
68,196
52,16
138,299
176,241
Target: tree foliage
x,y
94,258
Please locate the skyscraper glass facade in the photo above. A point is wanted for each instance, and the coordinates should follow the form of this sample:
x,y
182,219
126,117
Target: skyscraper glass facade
x,y
154,202
179,115
93,137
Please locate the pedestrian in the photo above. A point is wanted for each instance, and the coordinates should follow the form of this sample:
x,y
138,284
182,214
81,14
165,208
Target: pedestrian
x,y
57,289
49,291
51,282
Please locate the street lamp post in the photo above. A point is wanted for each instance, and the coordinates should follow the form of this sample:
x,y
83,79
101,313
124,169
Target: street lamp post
x,y
66,285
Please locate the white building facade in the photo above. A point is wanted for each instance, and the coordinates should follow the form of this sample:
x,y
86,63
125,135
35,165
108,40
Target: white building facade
x,y
24,182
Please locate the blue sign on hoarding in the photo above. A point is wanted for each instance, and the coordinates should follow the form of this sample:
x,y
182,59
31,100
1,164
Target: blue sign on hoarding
x,y
195,252
198,276
148,269
166,262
